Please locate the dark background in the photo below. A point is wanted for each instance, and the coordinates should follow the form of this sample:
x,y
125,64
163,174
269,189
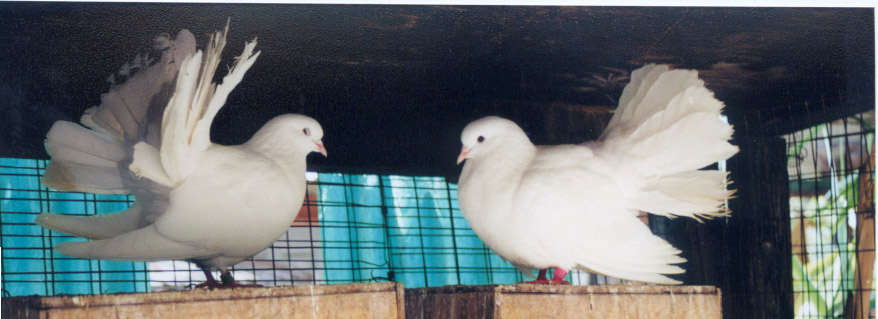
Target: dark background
x,y
394,85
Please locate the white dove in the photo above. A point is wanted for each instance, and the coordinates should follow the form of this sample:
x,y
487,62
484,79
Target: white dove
x,y
569,206
210,204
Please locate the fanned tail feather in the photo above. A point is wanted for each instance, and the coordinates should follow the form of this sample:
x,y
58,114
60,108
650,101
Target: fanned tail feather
x,y
124,107
669,124
83,160
697,194
92,159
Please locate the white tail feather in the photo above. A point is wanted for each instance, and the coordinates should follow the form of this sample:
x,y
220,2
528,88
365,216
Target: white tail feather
x,y
693,142
70,142
72,177
669,124
86,160
95,226
144,244
124,107
696,194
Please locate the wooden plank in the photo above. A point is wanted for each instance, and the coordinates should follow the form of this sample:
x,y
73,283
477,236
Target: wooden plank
x,y
373,300
544,301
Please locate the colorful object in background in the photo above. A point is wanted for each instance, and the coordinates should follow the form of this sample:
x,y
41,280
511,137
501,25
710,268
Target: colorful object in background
x,y
828,164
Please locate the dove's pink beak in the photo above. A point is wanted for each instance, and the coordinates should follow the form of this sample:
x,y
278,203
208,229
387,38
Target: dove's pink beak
x,y
320,148
464,153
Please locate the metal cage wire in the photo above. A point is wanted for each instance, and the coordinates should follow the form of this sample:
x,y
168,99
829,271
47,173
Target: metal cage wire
x,y
365,228
351,228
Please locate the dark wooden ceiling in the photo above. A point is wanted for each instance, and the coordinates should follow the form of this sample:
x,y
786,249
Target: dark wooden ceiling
x,y
393,85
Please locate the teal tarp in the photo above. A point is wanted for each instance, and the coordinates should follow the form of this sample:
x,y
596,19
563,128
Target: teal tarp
x,y
29,265
410,226
374,228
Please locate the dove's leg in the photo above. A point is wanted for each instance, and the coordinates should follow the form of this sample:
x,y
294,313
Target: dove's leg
x,y
210,283
558,277
541,278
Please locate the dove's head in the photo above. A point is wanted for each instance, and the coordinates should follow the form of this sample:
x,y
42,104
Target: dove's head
x,y
489,135
299,131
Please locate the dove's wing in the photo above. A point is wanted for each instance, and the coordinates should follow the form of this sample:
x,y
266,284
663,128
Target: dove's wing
x,y
583,219
233,216
185,132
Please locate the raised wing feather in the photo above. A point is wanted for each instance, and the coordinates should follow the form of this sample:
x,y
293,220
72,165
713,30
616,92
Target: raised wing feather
x,y
190,112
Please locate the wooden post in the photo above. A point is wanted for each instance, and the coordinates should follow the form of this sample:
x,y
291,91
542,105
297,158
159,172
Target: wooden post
x,y
755,262
859,305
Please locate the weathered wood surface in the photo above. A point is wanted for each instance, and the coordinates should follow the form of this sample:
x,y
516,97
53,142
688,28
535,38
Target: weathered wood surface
x,y
544,301
373,300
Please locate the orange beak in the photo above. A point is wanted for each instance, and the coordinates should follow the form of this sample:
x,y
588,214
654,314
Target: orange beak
x,y
464,153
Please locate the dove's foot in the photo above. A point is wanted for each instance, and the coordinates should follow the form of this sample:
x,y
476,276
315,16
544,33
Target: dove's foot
x,y
226,281
216,285
558,277
210,283
229,282
541,279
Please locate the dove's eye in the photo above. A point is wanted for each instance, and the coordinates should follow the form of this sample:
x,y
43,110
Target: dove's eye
x,y
480,139
306,131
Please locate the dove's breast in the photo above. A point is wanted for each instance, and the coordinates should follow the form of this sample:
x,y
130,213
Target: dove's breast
x,y
237,203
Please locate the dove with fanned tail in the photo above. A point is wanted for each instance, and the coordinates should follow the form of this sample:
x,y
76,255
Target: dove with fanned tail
x,y
576,206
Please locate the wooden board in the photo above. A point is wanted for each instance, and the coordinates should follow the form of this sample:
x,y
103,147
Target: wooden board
x,y
373,300
544,301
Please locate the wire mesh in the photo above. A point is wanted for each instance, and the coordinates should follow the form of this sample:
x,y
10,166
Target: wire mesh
x,y
831,166
366,228
352,228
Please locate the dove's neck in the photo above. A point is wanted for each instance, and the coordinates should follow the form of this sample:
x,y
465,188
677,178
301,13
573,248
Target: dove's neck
x,y
497,174
289,156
